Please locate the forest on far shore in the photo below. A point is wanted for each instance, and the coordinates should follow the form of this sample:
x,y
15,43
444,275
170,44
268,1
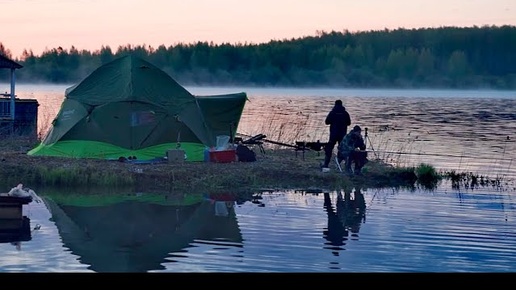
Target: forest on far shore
x,y
446,57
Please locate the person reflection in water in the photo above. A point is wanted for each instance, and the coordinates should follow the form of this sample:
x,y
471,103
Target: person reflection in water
x,y
335,233
346,217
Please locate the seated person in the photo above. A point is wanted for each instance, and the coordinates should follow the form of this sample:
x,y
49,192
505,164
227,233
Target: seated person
x,y
352,150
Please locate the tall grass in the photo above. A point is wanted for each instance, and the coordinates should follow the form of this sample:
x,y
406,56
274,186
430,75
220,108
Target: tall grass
x,y
44,125
384,143
69,176
285,127
388,145
17,143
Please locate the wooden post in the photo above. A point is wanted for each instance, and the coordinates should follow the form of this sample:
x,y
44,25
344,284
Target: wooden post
x,y
13,80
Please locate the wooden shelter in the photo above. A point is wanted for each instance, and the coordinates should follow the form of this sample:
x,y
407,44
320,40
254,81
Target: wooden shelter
x,y
8,112
17,116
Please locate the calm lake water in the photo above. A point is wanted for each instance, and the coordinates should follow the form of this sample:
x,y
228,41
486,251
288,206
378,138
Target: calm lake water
x,y
359,230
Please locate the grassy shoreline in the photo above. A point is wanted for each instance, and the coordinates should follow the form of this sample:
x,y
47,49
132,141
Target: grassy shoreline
x,y
277,169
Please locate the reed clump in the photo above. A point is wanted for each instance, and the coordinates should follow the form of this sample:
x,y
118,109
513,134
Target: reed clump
x,y
427,176
468,180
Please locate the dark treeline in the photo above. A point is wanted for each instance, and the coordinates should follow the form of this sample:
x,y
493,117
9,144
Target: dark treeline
x,y
447,57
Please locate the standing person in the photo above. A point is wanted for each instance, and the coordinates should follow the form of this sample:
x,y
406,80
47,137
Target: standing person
x,y
339,120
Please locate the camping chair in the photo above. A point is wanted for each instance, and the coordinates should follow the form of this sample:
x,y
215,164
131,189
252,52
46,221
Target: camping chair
x,y
338,163
363,158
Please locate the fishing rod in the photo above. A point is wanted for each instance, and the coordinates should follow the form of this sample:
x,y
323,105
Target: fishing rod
x,y
263,138
376,152
436,154
282,144
366,138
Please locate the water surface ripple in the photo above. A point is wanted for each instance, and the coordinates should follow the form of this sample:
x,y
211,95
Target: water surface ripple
x,y
362,230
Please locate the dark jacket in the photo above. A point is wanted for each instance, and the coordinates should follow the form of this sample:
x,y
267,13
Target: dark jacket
x,y
351,141
339,120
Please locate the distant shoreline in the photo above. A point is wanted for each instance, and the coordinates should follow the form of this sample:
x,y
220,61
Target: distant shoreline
x,y
298,91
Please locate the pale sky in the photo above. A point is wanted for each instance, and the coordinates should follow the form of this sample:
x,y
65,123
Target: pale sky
x,y
91,24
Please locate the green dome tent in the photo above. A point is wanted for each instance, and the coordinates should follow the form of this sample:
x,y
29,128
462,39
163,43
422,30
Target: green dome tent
x,y
129,107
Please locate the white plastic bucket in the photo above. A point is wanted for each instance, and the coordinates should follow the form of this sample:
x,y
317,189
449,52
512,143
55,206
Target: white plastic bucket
x,y
222,142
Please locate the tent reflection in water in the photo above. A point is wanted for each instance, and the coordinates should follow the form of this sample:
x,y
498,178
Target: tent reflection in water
x,y
137,233
129,107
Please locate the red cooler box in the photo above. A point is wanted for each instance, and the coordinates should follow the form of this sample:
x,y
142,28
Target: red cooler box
x,y
223,156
